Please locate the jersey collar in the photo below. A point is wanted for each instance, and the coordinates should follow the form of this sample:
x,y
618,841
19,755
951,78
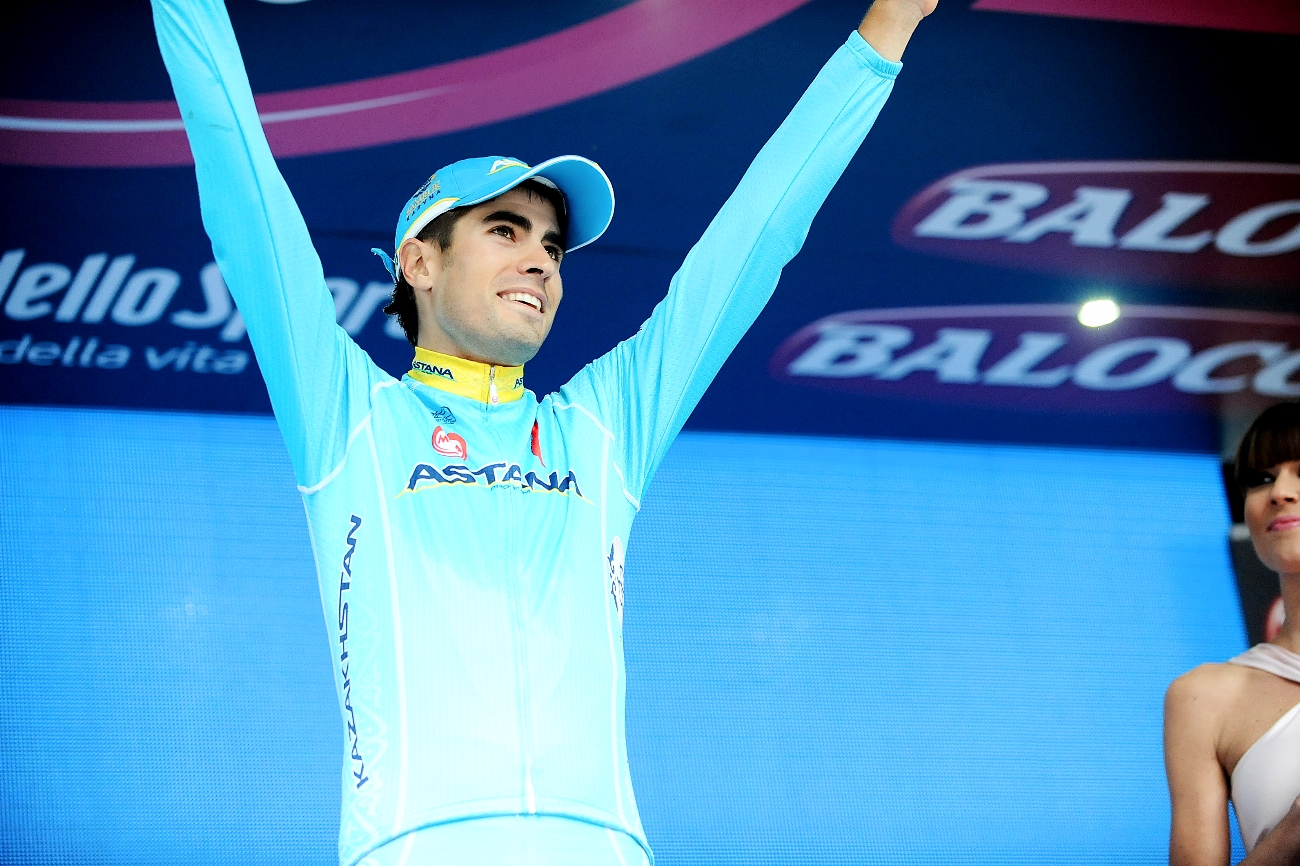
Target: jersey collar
x,y
483,382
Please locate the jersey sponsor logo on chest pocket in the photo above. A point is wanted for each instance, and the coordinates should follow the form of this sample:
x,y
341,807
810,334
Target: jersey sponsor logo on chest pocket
x,y
450,444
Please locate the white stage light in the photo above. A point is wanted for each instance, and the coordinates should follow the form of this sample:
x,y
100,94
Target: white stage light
x,y
1096,313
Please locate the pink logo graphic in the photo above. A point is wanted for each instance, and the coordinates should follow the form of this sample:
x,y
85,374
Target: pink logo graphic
x,y
1209,224
450,444
1040,357
626,45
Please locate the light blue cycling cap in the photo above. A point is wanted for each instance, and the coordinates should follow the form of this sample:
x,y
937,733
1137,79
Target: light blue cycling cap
x,y
588,195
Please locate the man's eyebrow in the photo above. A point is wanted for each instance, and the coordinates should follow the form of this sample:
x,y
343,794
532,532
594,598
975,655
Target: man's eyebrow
x,y
523,222
509,216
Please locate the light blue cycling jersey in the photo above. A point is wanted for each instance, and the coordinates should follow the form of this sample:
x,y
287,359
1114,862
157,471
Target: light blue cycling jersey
x,y
469,537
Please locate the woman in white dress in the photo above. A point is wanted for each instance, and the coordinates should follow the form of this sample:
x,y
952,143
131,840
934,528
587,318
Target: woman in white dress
x,y
1232,731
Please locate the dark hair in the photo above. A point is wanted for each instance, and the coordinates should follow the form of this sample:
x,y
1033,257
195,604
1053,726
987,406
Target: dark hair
x,y
439,231
1273,438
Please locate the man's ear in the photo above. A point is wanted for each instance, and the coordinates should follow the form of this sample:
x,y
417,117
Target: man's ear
x,y
420,261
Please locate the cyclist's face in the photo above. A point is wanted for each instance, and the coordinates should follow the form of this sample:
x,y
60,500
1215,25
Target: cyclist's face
x,y
492,296
1273,517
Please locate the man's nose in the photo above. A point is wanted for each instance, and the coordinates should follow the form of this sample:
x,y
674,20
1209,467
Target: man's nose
x,y
537,260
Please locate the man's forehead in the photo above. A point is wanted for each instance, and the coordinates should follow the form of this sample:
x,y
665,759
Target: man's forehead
x,y
526,202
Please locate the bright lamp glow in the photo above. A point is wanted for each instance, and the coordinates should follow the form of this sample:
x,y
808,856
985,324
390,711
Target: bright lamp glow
x,y
1099,312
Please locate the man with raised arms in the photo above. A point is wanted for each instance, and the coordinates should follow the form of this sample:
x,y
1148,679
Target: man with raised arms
x,y
469,537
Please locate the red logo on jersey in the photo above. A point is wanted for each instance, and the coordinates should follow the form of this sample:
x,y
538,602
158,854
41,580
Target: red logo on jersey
x,y
537,444
449,444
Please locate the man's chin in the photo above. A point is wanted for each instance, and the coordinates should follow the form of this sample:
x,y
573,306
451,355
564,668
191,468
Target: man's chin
x,y
514,353
502,343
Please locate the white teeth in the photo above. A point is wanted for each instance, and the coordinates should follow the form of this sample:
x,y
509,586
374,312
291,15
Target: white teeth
x,y
523,297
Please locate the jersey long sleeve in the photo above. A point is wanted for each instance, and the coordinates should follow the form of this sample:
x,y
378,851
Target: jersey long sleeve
x,y
647,386
319,380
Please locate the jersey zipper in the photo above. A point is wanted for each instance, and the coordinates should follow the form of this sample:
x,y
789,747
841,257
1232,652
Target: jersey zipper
x,y
521,672
514,581
493,398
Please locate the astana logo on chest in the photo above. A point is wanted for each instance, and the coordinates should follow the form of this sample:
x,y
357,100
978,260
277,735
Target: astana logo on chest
x,y
426,476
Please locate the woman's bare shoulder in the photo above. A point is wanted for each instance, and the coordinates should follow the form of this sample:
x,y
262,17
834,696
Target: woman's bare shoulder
x,y
1208,690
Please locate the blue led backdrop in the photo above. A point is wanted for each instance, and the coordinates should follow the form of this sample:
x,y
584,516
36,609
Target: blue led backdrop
x,y
836,649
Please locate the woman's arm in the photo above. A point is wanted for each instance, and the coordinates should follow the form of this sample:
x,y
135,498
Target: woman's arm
x,y
1198,789
1197,709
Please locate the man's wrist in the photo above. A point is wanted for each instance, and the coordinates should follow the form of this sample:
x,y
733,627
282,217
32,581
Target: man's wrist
x,y
889,25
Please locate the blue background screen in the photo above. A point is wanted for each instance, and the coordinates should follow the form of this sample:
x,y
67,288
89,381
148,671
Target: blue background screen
x,y
838,651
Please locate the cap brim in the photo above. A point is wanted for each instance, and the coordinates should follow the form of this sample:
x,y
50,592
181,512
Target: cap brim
x,y
589,194
587,191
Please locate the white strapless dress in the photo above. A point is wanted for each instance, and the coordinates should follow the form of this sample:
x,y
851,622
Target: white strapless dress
x,y
1266,781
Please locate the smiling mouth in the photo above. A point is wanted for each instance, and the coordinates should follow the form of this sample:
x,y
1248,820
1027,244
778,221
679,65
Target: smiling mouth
x,y
1282,523
523,298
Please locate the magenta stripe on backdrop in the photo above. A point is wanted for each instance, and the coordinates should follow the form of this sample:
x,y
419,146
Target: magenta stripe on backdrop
x,y
622,46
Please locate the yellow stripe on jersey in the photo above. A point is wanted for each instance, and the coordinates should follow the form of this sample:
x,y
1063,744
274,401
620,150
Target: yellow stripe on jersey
x,y
467,378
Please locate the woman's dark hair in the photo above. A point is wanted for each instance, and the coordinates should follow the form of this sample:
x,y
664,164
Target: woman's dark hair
x,y
439,231
1273,438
